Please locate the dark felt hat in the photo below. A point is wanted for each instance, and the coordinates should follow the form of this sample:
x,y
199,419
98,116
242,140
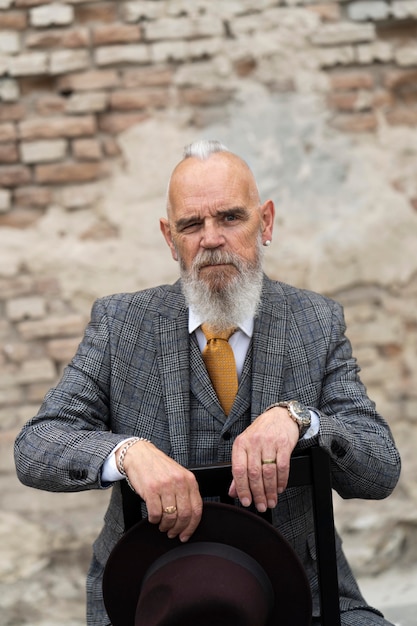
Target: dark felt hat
x,y
236,570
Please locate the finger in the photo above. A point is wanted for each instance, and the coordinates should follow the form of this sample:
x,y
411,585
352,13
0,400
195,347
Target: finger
x,y
256,482
270,479
169,515
283,471
240,475
194,518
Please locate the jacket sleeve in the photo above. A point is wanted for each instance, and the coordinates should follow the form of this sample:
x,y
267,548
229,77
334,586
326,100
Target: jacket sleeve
x,y
64,446
364,458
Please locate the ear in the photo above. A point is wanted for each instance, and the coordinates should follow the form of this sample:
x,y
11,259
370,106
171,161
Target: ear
x,y
166,231
267,211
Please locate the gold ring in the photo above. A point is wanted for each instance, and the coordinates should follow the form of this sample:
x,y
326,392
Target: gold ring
x,y
268,461
169,510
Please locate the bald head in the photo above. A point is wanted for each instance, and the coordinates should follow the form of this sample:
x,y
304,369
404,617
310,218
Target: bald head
x,y
208,159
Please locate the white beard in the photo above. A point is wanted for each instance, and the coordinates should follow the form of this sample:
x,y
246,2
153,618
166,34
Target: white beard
x,y
228,301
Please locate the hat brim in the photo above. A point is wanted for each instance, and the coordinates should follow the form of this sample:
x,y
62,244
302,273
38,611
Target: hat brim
x,y
220,523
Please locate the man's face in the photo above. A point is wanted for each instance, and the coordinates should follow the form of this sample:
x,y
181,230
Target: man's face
x,y
214,215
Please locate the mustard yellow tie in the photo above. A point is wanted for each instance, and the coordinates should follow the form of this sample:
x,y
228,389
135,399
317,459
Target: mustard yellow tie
x,y
221,366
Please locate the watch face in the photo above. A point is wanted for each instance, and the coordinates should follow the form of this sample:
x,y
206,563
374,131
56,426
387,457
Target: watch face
x,y
300,412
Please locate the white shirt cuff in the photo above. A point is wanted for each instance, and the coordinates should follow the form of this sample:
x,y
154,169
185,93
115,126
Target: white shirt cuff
x,y
109,471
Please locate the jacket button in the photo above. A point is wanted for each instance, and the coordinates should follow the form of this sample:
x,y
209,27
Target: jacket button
x,y
226,436
78,474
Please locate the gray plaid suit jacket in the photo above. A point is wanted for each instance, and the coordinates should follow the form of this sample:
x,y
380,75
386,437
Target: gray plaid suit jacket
x,y
131,375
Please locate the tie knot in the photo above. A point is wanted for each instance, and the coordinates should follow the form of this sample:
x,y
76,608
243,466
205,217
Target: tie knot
x,y
217,334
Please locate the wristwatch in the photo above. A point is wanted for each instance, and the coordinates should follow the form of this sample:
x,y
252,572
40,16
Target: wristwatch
x,y
298,412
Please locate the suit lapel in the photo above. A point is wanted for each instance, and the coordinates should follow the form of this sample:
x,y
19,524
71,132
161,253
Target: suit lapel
x,y
172,341
269,349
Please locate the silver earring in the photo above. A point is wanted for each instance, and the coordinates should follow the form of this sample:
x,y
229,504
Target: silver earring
x,y
267,243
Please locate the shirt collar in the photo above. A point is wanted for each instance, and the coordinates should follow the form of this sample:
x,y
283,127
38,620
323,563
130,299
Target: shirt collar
x,y
194,321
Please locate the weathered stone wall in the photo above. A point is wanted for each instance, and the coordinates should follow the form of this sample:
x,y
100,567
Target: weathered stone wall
x,y
97,100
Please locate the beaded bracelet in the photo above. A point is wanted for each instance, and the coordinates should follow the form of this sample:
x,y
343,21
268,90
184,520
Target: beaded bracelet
x,y
120,463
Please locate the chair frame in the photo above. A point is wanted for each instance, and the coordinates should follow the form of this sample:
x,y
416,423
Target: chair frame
x,y
308,467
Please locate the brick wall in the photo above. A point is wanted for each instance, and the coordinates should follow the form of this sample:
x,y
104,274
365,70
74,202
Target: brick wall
x,y
73,75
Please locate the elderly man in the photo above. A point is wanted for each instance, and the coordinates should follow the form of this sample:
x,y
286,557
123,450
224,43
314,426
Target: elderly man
x,y
140,401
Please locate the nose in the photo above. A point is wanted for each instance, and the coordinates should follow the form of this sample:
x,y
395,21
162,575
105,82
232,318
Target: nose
x,y
212,236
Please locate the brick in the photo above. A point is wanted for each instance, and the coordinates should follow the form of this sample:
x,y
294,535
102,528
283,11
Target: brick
x,y
198,96
9,42
142,9
70,38
50,105
105,12
29,64
9,153
12,112
13,287
382,51
139,99
169,51
29,197
67,172
43,151
13,20
14,175
36,371
51,15
147,77
359,100
406,56
368,10
65,326
115,123
79,196
30,85
86,149
38,128
343,33
19,309
183,28
402,9
9,90
7,132
402,116
62,350
87,102
400,79
129,53
20,218
351,80
116,33
339,55
63,61
88,81
355,123
5,200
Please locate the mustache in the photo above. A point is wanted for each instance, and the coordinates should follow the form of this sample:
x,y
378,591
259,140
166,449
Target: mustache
x,y
215,257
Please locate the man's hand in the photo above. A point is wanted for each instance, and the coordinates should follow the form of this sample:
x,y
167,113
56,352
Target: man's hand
x,y
271,437
169,490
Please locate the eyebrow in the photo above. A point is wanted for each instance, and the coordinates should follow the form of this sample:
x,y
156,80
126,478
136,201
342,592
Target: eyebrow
x,y
185,221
